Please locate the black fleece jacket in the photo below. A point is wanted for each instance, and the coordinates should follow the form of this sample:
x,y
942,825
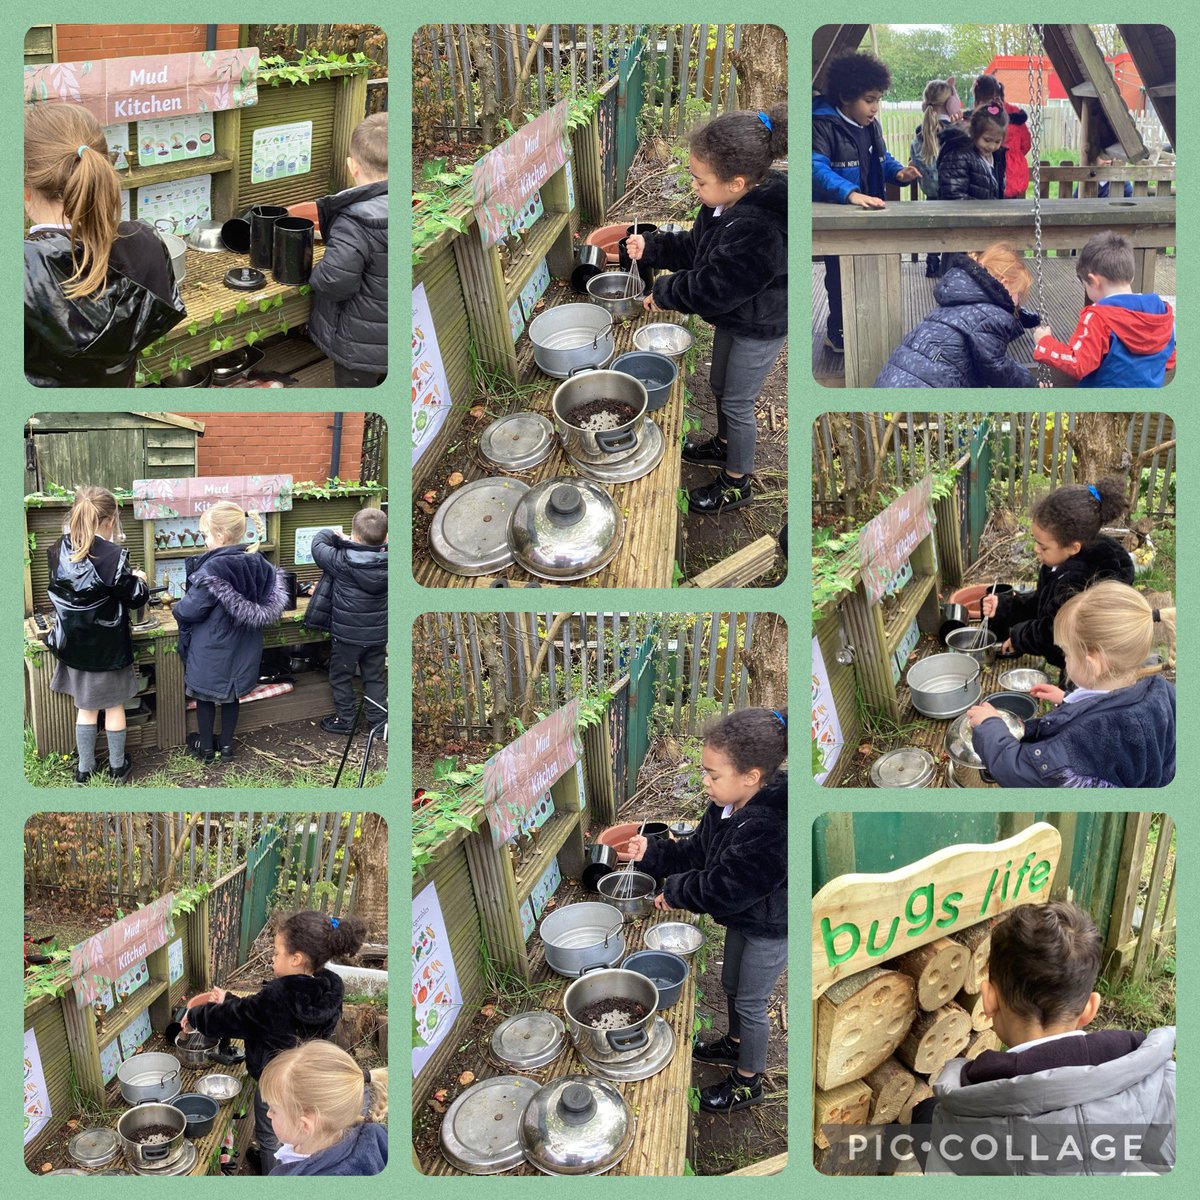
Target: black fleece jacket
x,y
734,869
962,172
1029,619
731,270
285,1012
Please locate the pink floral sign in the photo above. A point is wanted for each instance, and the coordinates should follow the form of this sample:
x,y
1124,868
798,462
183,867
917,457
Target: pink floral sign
x,y
131,89
156,499
113,951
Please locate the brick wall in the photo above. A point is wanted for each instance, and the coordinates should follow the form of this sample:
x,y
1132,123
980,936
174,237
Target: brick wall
x,y
291,443
79,42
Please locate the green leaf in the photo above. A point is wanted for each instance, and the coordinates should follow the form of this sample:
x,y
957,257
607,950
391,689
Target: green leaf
x,y
217,317
214,343
304,289
193,328
252,336
264,306
278,301
241,307
227,342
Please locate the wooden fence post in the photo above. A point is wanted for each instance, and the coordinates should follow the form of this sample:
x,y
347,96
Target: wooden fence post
x,y
1125,891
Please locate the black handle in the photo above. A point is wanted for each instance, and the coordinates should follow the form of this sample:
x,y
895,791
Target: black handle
x,y
611,441
627,1039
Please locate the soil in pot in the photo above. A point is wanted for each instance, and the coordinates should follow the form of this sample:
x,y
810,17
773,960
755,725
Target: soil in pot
x,y
154,1135
615,1012
597,415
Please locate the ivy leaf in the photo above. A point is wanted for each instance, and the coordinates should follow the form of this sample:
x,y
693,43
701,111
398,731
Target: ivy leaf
x,y
240,307
214,343
278,301
252,336
305,289
227,342
217,317
193,328
264,306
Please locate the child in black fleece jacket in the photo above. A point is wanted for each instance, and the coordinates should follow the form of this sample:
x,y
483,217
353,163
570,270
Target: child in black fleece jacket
x,y
731,269
734,867
302,1001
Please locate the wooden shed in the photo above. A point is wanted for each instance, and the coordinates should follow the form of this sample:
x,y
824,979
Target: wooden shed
x,y
108,449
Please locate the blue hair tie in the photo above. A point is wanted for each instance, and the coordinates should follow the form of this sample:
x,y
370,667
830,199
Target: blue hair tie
x,y
1095,493
762,116
782,719
334,922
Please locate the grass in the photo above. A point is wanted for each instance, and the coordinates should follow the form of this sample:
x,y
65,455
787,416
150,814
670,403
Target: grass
x,y
1138,1003
182,770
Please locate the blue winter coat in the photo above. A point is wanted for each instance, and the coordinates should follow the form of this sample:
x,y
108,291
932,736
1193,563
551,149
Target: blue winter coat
x,y
363,1151
1123,739
964,341
836,167
350,601
231,598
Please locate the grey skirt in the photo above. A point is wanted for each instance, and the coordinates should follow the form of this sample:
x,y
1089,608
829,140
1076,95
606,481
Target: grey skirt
x,y
95,689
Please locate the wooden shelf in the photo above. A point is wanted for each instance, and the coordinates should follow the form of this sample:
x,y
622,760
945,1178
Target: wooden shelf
x,y
912,596
185,168
545,234
551,839
131,1009
189,551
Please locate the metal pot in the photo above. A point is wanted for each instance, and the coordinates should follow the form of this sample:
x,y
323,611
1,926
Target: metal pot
x,y
972,640
944,685
159,1154
194,1048
1022,705
138,615
569,336
177,248
601,861
598,984
578,936
153,1077
611,291
600,446
630,891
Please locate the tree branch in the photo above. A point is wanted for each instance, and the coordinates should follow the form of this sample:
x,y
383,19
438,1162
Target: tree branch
x,y
535,671
526,67
177,853
881,454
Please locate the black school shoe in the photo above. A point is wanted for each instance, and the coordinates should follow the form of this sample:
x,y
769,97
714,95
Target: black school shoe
x,y
721,1053
732,1093
723,493
83,778
705,454
835,342
207,757
336,725
121,773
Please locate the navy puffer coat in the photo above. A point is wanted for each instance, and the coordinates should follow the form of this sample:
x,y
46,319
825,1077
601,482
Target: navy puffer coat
x,y
962,171
351,598
350,300
964,341
231,598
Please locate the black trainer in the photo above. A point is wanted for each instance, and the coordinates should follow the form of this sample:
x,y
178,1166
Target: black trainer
x,y
207,757
722,1053
705,454
83,778
336,725
723,493
733,1092
226,753
121,773
835,341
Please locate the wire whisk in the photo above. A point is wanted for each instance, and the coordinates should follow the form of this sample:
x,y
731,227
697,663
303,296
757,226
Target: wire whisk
x,y
633,279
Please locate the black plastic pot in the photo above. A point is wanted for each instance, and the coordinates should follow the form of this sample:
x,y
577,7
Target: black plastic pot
x,y
668,972
235,235
262,233
289,586
655,829
200,1111
601,861
589,261
293,250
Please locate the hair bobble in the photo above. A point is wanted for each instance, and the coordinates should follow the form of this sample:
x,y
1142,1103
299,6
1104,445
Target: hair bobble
x,y
79,151
994,109
762,116
1095,492
779,717
333,921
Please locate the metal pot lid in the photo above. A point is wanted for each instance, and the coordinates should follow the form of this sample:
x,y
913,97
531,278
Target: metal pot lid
x,y
529,1040
577,1125
94,1147
907,767
517,441
480,1130
565,528
644,458
961,748
652,1060
469,534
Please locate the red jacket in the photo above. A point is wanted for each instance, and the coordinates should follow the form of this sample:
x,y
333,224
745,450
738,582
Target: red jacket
x,y
1017,144
1124,341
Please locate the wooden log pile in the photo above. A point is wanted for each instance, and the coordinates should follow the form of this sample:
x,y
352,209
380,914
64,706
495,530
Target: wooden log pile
x,y
860,1020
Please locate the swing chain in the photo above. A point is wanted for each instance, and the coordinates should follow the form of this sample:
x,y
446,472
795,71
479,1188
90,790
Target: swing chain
x,y
1036,107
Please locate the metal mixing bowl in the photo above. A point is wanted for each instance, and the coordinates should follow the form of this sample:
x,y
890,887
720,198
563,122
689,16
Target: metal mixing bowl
x,y
206,237
1023,679
676,937
663,337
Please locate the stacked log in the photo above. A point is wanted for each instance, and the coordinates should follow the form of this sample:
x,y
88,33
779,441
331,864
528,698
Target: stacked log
x,y
973,1005
986,1039
977,940
938,970
921,1092
847,1104
934,1038
860,1021
891,1085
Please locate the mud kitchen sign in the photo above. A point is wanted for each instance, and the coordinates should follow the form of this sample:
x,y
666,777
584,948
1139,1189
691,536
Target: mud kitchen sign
x,y
521,774
111,952
133,89
886,543
507,176
157,499
861,921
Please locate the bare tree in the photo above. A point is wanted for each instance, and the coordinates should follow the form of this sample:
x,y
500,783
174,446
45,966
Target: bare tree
x,y
369,853
488,108
766,662
1099,442
762,67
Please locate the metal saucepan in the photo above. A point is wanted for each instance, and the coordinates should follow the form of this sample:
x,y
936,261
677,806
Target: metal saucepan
x,y
578,936
630,891
597,986
132,1126
973,640
155,1077
194,1049
569,336
611,292
601,446
944,685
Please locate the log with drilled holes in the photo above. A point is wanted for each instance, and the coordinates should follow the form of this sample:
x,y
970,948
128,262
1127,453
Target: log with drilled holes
x,y
985,1039
848,1104
973,1003
860,1021
935,1038
891,1085
921,1092
937,968
978,942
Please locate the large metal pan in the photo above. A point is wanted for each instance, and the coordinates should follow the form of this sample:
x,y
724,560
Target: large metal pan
x,y
944,685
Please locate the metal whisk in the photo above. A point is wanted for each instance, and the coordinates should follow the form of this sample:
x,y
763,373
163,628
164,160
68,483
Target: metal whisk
x,y
633,280
623,889
981,636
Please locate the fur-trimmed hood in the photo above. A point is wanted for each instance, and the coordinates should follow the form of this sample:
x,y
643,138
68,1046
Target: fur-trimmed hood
x,y
248,587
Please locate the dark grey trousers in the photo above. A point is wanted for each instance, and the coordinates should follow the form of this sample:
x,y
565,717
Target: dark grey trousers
x,y
264,1134
751,967
739,367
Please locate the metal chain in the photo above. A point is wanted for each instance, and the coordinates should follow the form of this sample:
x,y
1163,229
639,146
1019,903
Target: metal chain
x,y
1036,109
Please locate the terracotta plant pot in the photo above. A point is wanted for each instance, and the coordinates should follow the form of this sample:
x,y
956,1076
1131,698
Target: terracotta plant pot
x,y
308,210
617,836
607,237
970,597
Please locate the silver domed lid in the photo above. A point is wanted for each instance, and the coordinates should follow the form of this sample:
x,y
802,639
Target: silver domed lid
x,y
577,1125
565,528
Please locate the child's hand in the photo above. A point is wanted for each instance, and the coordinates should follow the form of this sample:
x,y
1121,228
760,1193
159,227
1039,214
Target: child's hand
x,y
1006,647
1044,383
185,1025
861,200
979,713
218,995
635,246
636,847
1047,691
989,605
140,574
1041,331
649,305
200,998
908,175
660,902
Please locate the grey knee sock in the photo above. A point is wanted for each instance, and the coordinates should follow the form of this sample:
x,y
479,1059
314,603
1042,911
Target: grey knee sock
x,y
85,743
116,747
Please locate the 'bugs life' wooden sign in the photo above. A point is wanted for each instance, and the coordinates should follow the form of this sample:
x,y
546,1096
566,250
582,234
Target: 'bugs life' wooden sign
x,y
860,920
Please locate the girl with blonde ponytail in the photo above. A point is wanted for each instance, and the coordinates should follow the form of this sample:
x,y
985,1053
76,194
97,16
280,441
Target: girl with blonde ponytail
x,y
97,290
93,587
327,1112
940,106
